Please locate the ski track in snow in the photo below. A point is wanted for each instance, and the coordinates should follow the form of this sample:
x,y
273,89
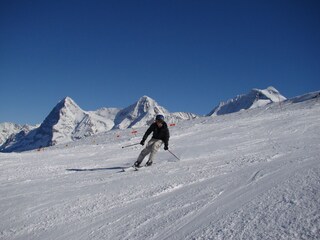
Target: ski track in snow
x,y
250,175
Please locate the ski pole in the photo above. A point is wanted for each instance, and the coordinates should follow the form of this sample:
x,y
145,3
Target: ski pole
x,y
131,145
174,155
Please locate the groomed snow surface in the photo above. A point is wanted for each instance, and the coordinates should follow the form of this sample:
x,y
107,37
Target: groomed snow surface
x,y
250,175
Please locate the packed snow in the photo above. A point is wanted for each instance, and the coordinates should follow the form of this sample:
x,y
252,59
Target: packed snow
x,y
254,174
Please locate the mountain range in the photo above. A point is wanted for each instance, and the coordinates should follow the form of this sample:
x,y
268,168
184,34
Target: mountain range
x,y
68,122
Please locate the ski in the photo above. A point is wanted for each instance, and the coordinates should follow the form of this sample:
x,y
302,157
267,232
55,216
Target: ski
x,y
127,169
144,166
134,168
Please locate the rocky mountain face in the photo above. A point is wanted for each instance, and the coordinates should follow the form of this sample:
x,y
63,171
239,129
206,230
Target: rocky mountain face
x,y
255,98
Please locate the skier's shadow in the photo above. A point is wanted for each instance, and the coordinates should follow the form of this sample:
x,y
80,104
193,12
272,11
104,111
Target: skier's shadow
x,y
93,169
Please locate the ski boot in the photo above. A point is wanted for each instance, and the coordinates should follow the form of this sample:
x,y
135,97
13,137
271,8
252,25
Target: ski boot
x,y
149,163
136,165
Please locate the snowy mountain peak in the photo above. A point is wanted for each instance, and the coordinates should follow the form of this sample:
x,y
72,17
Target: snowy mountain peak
x,y
68,102
66,108
145,98
149,105
69,106
273,90
255,98
270,93
63,119
139,114
145,102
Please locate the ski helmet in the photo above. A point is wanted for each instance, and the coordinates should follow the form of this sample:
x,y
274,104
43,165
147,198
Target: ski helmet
x,y
160,117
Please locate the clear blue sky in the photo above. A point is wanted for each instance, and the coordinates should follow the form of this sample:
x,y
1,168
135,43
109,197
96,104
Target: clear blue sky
x,y
188,55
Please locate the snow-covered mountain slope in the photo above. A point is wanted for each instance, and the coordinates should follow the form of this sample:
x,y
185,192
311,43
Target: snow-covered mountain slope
x,y
12,133
305,97
253,174
255,98
7,129
68,122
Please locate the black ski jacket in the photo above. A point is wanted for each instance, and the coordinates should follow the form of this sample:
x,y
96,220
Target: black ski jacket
x,y
158,133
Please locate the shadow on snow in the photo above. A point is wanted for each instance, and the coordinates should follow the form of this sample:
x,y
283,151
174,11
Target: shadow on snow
x,y
93,169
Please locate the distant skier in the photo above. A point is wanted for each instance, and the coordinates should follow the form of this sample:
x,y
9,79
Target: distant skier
x,y
160,135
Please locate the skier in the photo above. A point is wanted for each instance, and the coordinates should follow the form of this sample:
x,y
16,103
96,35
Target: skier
x,y
160,135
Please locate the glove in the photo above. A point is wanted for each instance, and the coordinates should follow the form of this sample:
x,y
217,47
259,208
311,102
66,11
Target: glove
x,y
142,142
166,148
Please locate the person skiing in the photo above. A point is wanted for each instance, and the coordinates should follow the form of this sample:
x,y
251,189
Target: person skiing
x,y
160,135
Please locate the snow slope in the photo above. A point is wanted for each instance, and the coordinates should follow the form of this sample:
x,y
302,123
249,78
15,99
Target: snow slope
x,y
254,174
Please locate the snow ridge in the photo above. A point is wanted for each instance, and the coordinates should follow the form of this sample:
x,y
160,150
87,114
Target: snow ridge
x,y
255,98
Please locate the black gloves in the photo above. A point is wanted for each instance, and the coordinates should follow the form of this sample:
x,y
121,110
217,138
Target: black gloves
x,y
142,142
166,148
